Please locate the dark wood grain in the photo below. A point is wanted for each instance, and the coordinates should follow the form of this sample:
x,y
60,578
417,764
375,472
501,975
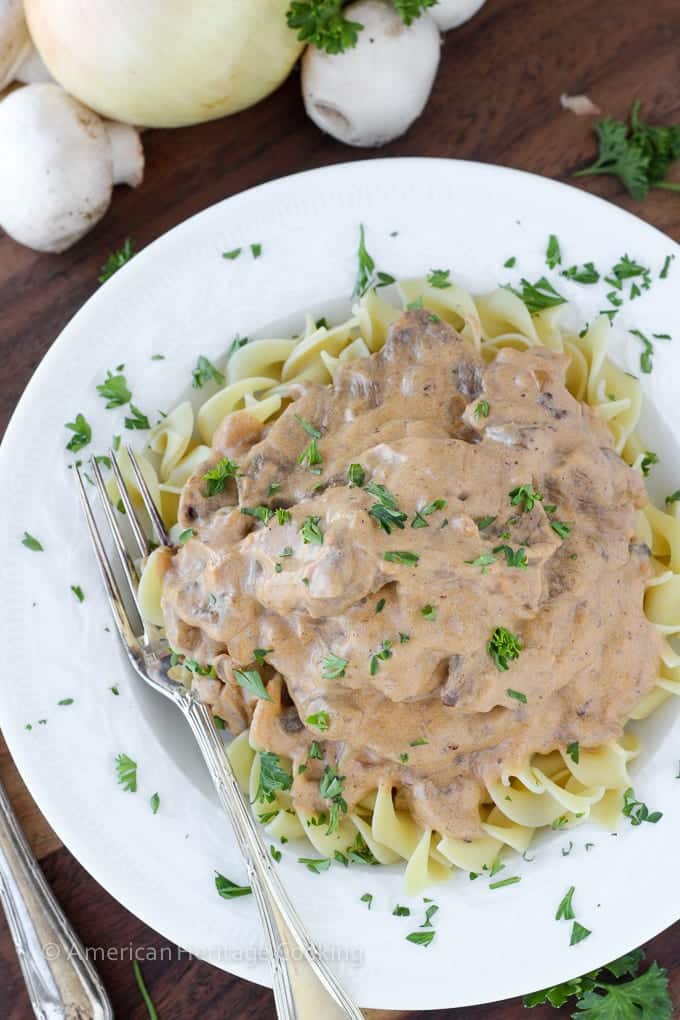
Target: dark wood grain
x,y
496,99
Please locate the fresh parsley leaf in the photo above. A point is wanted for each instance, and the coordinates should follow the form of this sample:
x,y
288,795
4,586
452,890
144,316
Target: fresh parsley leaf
x,y
272,777
320,22
639,154
666,266
330,788
116,260
218,476
65,701
260,654
380,605
137,420
114,390
482,409
400,911
673,498
414,306
260,513
513,557
503,647
31,543
155,802
505,881
553,255
319,720
310,456
367,898
233,254
276,854
256,250
418,742
382,655
366,262
82,433
333,666
421,938
411,9
429,612
126,770
484,522
311,430
315,751
229,890
511,262
204,372
185,535
311,531
78,592
439,278
538,296
562,528
251,680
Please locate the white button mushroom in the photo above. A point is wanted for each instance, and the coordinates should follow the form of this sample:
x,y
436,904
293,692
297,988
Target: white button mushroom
x,y
372,93
15,43
59,164
452,13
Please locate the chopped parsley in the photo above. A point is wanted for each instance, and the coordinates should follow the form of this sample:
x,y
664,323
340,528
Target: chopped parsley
x,y
484,522
260,513
380,605
401,556
565,910
333,667
525,497
31,543
251,680
587,273
505,881
283,516
673,498
511,262
311,532
578,934
114,390
82,433
204,372
562,528
637,812
276,854
185,535
517,695
400,911
233,254
513,557
136,420
645,997
574,751
538,296
65,701
320,721
218,476
315,864
439,278
382,655
647,461
155,802
256,250
421,938
310,456
367,898
429,612
418,742
126,770
385,512
482,409
356,474
311,430
78,592
272,777
503,647
260,654
315,751
229,890
330,787
553,255
666,266
403,638
414,306
273,488
116,260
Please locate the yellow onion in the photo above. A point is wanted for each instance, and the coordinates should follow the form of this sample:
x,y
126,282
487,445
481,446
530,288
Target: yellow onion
x,y
164,63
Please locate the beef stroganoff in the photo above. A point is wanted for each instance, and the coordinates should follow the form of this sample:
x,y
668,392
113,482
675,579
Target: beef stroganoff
x,y
418,577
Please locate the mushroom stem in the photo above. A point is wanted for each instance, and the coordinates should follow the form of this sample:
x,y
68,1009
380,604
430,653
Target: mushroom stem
x,y
126,153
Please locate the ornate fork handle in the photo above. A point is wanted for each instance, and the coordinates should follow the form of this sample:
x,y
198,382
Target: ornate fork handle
x,y
304,986
61,981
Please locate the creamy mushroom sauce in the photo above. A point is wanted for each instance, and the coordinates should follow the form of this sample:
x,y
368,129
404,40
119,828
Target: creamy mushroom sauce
x,y
407,415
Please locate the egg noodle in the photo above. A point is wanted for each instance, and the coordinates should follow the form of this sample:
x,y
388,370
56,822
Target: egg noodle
x,y
549,790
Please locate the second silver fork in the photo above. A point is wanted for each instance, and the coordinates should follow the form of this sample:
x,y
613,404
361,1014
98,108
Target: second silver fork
x,y
304,986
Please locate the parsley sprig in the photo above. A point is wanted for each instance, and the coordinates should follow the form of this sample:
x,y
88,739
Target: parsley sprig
x,y
639,154
116,260
504,647
321,22
218,476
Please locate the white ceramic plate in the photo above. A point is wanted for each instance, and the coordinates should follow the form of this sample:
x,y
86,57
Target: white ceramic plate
x,y
181,299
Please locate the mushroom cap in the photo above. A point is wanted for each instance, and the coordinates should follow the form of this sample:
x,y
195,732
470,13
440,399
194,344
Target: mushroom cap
x,y
372,93
452,13
56,169
15,43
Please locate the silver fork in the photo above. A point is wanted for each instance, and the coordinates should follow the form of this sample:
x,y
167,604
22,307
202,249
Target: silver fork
x,y
304,986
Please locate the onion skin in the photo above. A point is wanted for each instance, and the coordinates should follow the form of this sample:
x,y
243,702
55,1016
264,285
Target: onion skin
x,y
165,63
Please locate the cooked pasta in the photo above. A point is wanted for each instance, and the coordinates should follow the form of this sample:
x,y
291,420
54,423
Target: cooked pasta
x,y
555,788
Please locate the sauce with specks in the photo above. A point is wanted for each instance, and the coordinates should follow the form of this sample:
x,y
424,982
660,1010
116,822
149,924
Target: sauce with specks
x,y
407,415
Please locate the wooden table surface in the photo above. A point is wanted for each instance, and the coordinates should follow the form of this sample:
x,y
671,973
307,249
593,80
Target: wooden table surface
x,y
496,99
